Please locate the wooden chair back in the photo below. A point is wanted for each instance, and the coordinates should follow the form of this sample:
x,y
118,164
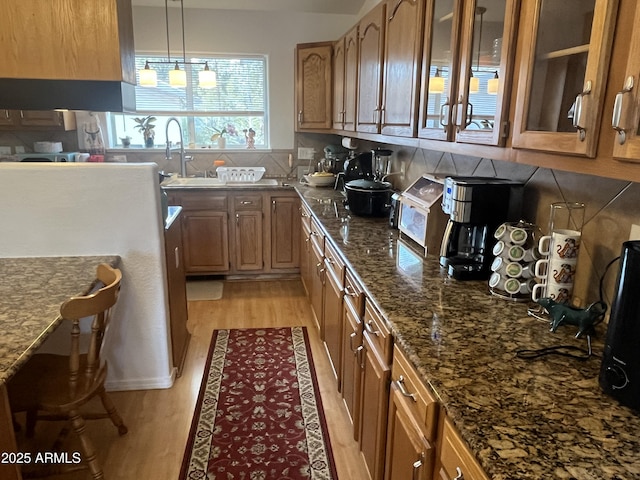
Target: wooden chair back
x,y
97,305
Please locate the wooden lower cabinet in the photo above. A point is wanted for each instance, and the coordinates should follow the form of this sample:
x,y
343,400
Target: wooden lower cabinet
x,y
374,404
176,285
412,427
333,321
239,231
247,233
317,288
285,232
306,267
455,460
206,242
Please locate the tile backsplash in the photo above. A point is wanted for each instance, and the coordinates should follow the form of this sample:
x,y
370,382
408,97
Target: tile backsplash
x,y
611,206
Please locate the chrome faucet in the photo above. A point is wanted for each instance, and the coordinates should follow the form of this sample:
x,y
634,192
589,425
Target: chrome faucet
x,y
183,158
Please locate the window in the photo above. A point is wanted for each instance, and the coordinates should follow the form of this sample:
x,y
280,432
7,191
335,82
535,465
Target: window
x,y
238,103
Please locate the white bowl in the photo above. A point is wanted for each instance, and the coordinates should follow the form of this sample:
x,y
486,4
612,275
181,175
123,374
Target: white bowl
x,y
320,180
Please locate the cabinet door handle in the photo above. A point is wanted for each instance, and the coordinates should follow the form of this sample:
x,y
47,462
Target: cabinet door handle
x,y
237,219
360,356
444,124
459,474
176,253
300,116
577,111
246,202
403,389
617,110
352,335
368,326
416,467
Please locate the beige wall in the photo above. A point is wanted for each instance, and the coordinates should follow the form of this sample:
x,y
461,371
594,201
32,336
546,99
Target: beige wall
x,y
274,34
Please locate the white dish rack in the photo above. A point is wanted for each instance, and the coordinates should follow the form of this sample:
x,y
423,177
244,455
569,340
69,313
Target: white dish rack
x,y
240,174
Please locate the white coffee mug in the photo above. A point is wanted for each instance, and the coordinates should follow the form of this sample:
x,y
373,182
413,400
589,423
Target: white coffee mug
x,y
561,244
556,270
560,293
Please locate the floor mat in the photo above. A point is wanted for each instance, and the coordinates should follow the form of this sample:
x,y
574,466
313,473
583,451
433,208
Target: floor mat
x,y
204,290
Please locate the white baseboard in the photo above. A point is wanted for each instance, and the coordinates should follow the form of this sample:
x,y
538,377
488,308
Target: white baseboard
x,y
141,383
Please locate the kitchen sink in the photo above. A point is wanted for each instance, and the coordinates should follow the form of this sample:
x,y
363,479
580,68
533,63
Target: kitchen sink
x,y
201,182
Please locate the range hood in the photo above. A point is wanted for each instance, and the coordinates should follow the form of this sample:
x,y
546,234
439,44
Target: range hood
x,y
92,95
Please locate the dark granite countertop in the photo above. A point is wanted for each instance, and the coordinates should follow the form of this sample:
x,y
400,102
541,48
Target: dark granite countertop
x,y
523,419
31,292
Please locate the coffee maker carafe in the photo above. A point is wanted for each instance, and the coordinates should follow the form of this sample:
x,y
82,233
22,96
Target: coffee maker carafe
x,y
476,207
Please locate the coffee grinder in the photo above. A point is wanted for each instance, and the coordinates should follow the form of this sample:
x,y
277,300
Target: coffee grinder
x,y
476,207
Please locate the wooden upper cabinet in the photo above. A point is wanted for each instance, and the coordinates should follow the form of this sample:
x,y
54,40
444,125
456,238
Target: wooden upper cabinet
x,y
345,80
350,79
404,23
96,38
626,110
564,62
314,86
467,70
338,83
370,68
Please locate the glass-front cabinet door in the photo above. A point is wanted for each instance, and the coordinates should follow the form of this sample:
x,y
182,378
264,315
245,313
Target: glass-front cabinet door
x,y
564,63
467,70
626,111
439,73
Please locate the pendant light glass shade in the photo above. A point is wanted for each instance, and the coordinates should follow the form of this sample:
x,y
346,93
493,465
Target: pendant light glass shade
x,y
474,84
177,77
493,84
207,78
148,76
436,83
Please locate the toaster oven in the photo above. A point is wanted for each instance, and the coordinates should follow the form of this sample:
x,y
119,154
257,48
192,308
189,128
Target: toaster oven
x,y
421,218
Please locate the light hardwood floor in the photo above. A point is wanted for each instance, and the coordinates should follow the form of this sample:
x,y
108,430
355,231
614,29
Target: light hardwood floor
x,y
159,420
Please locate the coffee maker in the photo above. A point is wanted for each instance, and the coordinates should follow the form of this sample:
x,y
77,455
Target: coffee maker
x,y
476,207
620,369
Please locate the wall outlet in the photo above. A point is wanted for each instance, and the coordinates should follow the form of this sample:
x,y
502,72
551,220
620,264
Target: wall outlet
x,y
635,232
306,153
5,150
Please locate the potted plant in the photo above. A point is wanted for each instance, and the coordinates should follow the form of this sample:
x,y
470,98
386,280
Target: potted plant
x,y
146,126
219,137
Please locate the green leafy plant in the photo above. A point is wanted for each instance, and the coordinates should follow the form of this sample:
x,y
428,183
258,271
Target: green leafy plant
x,y
219,133
146,126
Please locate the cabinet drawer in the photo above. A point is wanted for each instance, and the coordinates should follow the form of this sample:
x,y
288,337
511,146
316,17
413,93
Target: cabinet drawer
x,y
376,326
317,237
247,202
305,214
353,293
422,403
456,460
334,263
202,201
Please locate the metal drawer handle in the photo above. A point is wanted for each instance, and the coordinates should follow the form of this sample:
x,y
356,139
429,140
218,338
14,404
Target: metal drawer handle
x,y
351,337
349,292
246,202
369,328
403,389
459,474
416,467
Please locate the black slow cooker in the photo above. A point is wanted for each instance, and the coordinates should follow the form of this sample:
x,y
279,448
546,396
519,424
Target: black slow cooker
x,y
369,198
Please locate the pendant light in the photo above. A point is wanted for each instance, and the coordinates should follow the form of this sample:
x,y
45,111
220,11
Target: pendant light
x,y
207,78
493,84
148,77
474,83
436,83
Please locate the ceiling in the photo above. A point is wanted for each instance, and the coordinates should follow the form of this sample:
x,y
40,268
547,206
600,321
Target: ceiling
x,y
347,7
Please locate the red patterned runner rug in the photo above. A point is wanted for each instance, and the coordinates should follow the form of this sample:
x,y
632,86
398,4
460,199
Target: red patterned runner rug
x,y
259,414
